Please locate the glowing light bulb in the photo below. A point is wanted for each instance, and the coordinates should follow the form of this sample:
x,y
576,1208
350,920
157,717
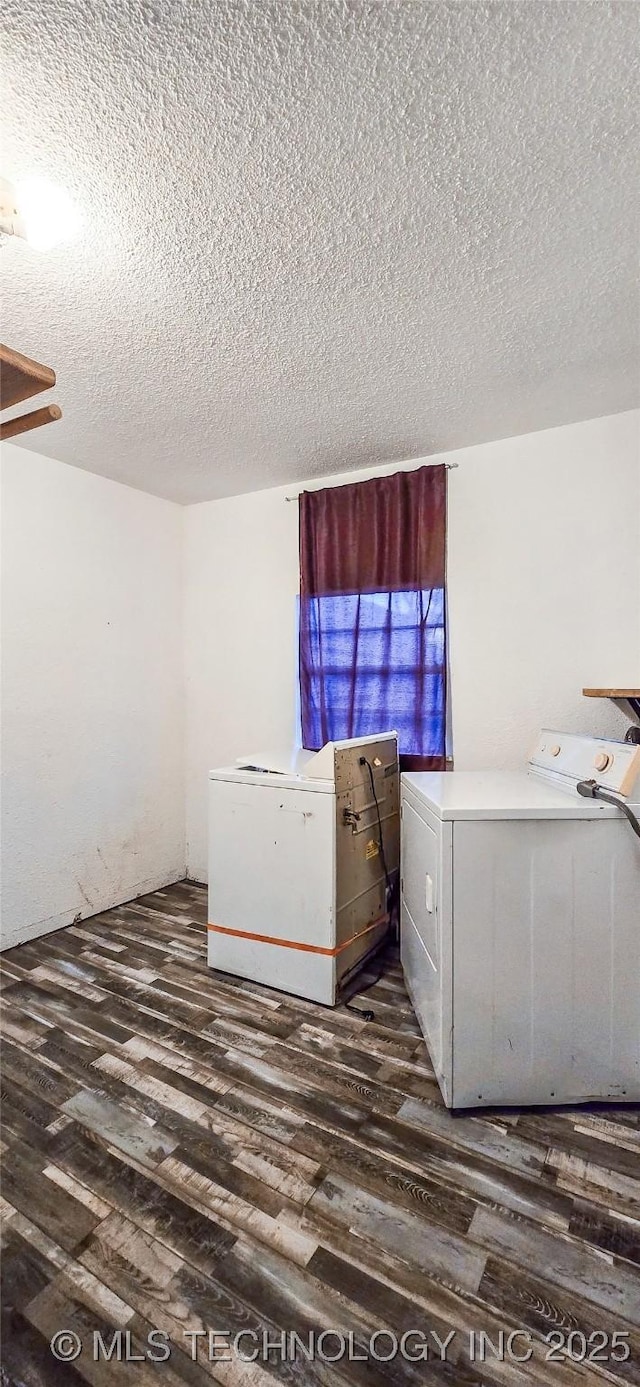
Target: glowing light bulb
x,y
47,213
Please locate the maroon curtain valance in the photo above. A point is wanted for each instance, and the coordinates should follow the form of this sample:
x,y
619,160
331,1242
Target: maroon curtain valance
x,y
384,535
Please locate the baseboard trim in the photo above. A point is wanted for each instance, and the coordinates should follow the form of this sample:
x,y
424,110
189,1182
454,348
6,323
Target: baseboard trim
x,y
24,933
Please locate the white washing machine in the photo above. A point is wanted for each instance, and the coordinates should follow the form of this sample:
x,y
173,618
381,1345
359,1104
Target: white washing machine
x,y
520,926
301,866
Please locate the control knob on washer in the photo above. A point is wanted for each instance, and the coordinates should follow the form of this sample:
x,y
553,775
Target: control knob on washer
x,y
602,761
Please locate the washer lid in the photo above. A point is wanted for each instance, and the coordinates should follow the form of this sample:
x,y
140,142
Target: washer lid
x,y
272,779
295,769
499,795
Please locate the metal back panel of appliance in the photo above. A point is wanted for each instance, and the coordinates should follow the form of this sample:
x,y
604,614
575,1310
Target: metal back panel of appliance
x,y
360,876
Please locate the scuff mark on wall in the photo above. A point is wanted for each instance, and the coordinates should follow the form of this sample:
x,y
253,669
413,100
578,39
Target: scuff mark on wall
x,y
83,893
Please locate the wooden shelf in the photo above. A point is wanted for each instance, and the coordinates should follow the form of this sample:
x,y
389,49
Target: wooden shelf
x,y
611,693
20,378
10,428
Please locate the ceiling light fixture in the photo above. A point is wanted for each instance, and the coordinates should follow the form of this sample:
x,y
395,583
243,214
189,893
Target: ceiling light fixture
x,y
38,210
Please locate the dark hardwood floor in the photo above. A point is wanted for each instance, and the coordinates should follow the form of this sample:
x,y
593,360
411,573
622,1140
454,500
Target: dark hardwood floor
x,y
184,1151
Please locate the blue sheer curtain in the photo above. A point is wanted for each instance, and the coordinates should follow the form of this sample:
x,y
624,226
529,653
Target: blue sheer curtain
x,y
376,661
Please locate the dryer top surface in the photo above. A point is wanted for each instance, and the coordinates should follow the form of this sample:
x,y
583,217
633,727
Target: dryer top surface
x,y
498,795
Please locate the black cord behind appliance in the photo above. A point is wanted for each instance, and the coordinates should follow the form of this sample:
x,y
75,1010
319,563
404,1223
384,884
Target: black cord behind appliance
x,y
590,789
365,762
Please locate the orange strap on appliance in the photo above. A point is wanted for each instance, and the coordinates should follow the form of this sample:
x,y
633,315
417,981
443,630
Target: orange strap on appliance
x,y
294,943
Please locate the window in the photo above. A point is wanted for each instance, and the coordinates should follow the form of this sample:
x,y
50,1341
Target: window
x,y
377,662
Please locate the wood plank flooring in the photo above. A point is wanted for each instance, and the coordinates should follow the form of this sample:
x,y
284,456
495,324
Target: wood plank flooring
x,y
185,1151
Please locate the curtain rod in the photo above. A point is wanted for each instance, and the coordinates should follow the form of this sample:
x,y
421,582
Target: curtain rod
x,y
449,467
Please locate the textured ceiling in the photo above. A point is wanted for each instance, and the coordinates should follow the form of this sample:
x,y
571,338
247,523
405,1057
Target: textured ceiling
x,y
322,235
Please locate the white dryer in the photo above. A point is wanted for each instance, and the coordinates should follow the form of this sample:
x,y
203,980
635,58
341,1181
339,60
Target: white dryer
x,y
520,926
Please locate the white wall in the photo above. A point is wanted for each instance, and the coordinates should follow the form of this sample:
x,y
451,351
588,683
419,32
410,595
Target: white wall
x,y
544,597
92,693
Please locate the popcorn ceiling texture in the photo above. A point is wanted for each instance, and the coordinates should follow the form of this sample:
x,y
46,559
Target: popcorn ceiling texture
x,y
322,235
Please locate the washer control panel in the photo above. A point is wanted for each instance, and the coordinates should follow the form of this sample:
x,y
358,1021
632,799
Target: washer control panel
x,y
567,758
